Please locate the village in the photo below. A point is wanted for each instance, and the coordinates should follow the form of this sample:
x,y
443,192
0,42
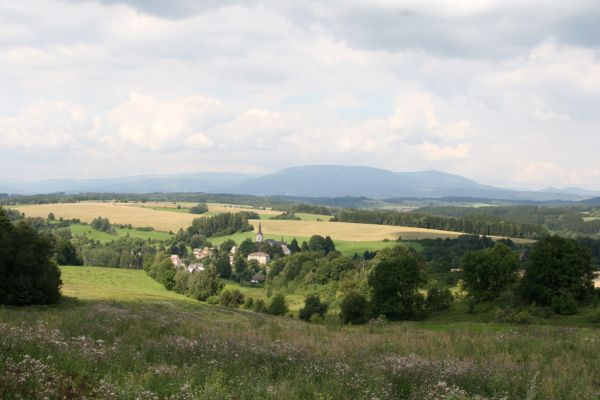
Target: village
x,y
260,258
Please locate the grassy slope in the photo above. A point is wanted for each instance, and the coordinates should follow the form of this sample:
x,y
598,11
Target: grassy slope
x,y
133,335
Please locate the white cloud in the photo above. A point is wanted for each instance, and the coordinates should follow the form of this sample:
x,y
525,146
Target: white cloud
x,y
475,89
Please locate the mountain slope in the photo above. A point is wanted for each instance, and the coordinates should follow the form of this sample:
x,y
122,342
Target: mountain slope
x,y
339,181
198,182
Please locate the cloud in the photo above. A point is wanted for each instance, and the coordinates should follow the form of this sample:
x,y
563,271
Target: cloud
x,y
474,88
45,126
160,125
415,121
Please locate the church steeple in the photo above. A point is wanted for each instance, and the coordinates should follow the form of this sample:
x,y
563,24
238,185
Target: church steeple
x,y
259,234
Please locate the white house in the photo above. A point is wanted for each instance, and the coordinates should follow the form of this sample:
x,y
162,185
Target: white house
x,y
203,253
262,258
196,267
176,261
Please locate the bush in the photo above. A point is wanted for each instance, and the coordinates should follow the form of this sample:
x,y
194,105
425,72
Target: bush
x,y
438,298
312,306
260,306
214,300
27,273
595,318
278,305
564,304
233,298
200,208
355,309
249,303
513,316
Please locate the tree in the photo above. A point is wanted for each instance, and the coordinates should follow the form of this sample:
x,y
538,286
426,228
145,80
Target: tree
x,y
557,267
304,246
233,298
395,281
489,272
200,208
181,281
204,284
102,225
246,247
27,273
240,269
197,241
317,243
438,299
51,216
65,253
226,246
293,247
329,245
223,266
278,305
355,309
312,305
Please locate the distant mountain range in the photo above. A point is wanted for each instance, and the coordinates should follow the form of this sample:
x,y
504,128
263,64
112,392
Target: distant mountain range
x,y
198,182
305,181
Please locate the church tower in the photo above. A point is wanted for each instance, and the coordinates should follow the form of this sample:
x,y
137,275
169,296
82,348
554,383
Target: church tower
x,y
259,234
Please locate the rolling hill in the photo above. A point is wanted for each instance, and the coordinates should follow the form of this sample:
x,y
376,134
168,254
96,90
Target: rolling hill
x,y
313,181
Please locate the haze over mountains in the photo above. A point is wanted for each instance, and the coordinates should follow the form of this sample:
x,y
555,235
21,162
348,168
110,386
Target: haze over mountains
x,y
304,181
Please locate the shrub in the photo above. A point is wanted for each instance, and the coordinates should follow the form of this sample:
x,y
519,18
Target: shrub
x,y
564,304
438,298
355,309
249,303
200,208
595,318
233,298
312,306
260,306
214,300
278,305
27,273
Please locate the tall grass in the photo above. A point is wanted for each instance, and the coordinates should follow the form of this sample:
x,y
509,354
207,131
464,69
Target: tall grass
x,y
147,343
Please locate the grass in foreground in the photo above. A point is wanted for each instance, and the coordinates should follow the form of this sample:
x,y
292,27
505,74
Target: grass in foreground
x,y
125,337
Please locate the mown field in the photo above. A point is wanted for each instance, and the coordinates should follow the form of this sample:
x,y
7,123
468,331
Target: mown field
x,y
120,335
349,237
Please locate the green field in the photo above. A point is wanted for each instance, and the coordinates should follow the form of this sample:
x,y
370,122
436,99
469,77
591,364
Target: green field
x,y
120,335
347,248
103,237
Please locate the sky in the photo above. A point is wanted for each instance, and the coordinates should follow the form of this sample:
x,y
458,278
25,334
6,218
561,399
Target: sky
x,y
503,92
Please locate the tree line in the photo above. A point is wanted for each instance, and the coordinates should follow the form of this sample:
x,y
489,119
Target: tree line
x,y
476,224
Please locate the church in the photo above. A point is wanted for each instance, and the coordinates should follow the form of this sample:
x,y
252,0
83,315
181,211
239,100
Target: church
x,y
260,239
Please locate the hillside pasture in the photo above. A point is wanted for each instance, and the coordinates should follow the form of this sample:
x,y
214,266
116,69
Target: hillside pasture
x,y
120,335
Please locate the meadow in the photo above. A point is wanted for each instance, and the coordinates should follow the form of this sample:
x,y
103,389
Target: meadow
x,y
165,217
104,237
119,335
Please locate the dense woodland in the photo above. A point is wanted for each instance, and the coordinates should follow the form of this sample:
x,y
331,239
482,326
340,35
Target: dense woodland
x,y
477,224
567,221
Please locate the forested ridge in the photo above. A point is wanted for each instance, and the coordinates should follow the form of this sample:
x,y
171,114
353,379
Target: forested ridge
x,y
475,224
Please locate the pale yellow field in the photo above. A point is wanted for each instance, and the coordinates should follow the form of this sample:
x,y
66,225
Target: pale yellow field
x,y
117,213
348,231
129,213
